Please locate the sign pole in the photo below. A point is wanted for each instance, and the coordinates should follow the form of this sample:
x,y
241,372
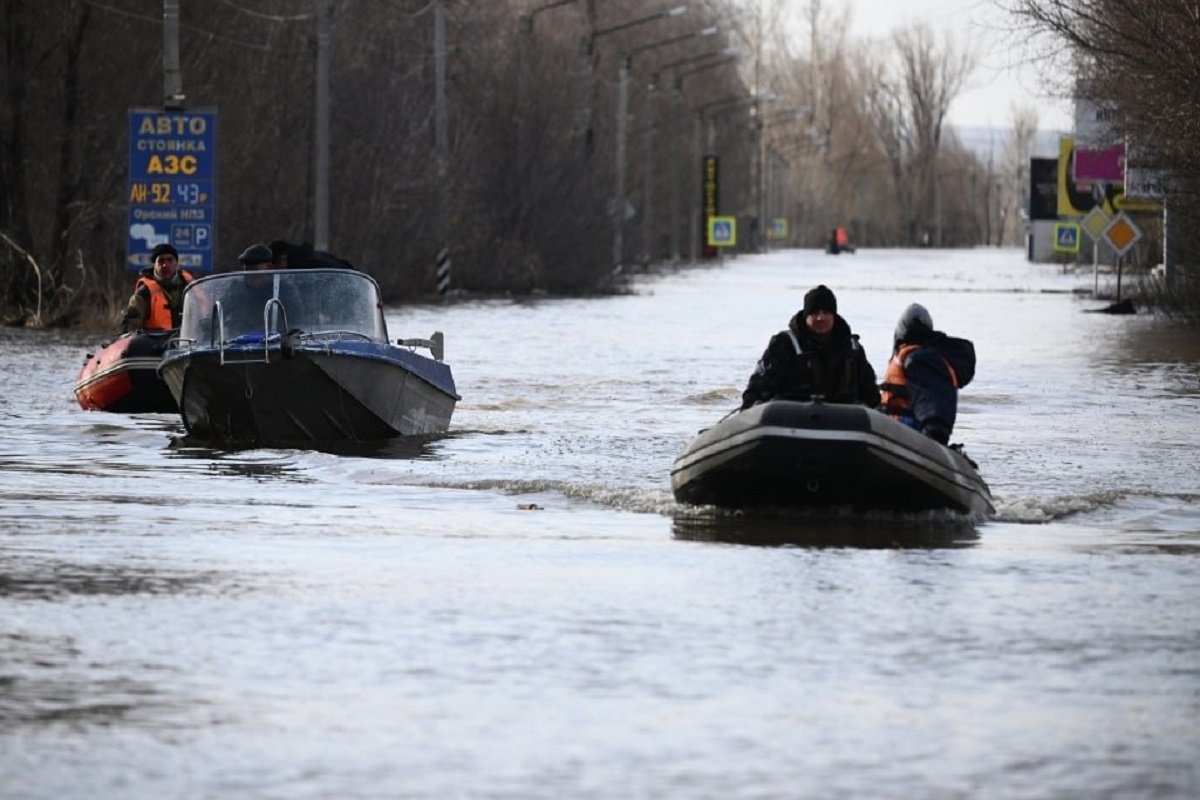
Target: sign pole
x,y
172,75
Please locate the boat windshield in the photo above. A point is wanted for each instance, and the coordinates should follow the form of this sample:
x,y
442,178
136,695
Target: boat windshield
x,y
267,302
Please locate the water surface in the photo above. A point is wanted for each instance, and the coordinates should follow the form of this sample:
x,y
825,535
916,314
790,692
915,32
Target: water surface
x,y
178,621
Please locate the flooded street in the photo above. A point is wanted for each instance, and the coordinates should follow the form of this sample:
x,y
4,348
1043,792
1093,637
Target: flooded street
x,y
177,621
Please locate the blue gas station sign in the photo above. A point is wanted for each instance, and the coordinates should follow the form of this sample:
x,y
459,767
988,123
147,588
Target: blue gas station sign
x,y
173,186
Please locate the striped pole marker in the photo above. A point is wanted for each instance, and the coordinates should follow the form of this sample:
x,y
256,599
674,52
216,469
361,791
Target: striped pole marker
x,y
443,270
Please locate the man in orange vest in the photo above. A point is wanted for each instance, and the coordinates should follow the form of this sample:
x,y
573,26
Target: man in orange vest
x,y
927,368
157,301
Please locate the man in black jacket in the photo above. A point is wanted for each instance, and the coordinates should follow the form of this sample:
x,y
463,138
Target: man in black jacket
x,y
817,356
927,368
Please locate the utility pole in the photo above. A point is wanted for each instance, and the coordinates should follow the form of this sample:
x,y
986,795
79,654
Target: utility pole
x,y
172,75
587,83
694,222
439,117
676,131
648,175
618,210
321,144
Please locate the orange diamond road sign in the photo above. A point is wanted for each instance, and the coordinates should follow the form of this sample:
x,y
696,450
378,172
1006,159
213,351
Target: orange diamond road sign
x,y
1122,234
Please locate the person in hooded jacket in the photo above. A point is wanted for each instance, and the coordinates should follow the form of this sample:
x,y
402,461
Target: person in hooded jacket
x,y
157,300
817,356
927,368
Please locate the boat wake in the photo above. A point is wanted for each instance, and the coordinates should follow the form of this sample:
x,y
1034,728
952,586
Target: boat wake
x,y
1098,506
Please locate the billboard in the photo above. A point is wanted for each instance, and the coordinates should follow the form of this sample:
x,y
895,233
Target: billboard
x,y
1076,199
172,186
1105,164
1043,188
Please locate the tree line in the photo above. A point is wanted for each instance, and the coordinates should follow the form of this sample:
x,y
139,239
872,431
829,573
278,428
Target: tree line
x,y
545,186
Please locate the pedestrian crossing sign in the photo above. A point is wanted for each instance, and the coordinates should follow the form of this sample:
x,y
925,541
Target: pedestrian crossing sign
x,y
1066,237
722,231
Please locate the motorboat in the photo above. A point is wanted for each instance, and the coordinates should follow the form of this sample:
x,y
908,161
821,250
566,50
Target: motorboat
x,y
279,357
789,454
122,376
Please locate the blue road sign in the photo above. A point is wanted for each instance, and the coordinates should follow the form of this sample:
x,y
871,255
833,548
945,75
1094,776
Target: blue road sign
x,y
172,186
722,231
1066,237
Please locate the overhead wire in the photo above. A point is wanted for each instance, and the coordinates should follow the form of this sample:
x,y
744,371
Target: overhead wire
x,y
185,26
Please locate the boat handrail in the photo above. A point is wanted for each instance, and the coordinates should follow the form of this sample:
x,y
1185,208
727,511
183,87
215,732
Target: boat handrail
x,y
218,319
267,323
340,333
436,344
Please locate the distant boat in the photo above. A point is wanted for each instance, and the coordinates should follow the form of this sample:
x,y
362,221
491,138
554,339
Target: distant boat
x,y
786,454
122,376
279,357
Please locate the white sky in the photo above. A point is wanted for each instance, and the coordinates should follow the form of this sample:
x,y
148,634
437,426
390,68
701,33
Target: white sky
x,y
1005,75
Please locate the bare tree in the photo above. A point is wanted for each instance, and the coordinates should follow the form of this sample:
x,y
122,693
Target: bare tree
x,y
883,102
1014,172
933,72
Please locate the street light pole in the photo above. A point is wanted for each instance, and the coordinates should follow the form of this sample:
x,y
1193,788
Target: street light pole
x,y
648,175
524,45
618,210
441,138
321,156
708,113
648,168
694,161
618,202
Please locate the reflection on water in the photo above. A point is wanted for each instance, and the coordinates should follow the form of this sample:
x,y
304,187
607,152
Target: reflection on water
x,y
44,579
46,683
826,529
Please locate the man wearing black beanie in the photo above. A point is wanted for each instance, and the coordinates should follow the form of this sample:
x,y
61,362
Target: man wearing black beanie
x,y
817,356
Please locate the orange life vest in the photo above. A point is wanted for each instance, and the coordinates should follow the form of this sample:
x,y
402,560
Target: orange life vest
x,y
159,316
893,390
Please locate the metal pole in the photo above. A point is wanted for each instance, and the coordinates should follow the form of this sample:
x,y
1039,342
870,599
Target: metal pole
x,y
648,182
694,212
675,171
442,266
618,208
524,43
172,74
587,135
1168,250
321,156
759,177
